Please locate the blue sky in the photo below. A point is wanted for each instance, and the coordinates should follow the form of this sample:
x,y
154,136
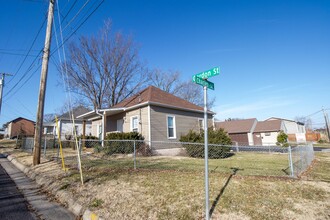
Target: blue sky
x,y
274,56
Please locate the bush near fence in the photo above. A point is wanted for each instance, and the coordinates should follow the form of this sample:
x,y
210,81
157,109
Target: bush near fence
x,y
124,147
218,137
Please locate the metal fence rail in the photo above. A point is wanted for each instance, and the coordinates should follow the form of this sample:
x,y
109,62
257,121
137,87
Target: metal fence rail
x,y
159,155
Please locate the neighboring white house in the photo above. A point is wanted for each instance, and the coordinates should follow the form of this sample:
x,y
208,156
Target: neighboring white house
x,y
66,127
296,131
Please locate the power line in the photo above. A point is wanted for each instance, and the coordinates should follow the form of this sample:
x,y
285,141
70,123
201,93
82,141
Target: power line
x,y
23,84
65,40
58,47
24,75
16,54
313,114
26,55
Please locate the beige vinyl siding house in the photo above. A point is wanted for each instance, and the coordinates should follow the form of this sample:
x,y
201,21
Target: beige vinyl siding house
x,y
182,123
157,115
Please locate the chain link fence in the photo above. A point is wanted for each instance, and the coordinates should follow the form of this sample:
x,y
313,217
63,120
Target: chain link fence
x,y
179,156
300,158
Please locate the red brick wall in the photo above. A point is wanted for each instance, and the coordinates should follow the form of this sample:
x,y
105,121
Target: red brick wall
x,y
292,138
22,126
242,139
313,136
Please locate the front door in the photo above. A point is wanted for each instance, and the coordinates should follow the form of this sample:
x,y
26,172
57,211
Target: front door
x,y
257,139
120,123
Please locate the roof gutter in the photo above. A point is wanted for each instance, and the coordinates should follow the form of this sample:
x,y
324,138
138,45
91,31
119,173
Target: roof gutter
x,y
97,111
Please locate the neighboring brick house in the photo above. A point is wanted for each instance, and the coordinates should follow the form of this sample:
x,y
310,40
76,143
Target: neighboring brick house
x,y
240,131
156,114
65,124
19,126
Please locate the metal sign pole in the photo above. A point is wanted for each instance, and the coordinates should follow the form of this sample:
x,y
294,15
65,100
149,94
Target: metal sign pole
x,y
206,157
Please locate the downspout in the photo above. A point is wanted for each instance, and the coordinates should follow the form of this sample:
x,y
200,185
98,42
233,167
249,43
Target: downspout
x,y
97,111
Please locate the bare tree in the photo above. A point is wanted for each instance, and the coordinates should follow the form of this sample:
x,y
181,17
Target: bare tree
x,y
49,117
306,121
104,69
166,81
170,82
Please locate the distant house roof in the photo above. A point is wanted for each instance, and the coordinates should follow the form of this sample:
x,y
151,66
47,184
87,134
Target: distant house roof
x,y
283,119
268,126
76,112
237,126
20,118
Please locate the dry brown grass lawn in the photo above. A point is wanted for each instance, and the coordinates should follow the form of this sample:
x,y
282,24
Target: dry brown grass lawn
x,y
122,193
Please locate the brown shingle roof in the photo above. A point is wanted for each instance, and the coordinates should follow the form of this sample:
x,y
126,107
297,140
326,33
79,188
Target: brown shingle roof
x,y
237,126
155,95
79,110
267,126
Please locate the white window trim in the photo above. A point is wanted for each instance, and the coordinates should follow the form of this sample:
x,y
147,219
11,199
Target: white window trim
x,y
135,116
149,124
201,119
174,127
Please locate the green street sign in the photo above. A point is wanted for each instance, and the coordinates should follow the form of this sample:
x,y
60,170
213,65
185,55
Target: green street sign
x,y
203,82
208,73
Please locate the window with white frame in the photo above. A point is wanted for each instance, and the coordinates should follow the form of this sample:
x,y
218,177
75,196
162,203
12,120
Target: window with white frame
x,y
201,125
171,133
135,124
75,131
99,128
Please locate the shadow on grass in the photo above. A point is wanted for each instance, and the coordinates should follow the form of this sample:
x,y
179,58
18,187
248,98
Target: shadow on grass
x,y
216,201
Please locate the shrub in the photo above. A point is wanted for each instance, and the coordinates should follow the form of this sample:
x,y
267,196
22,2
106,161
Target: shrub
x,y
282,139
90,141
120,146
124,136
218,137
321,141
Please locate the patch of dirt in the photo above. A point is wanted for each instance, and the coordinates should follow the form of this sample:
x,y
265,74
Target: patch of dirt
x,y
307,209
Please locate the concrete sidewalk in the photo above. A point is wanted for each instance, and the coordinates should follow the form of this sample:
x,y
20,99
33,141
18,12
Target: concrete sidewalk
x,y
44,208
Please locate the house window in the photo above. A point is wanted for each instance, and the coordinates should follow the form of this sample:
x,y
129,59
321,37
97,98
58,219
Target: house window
x,y
120,123
267,134
135,124
201,125
99,128
75,131
171,133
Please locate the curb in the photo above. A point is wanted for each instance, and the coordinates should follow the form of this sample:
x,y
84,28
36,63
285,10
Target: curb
x,y
52,186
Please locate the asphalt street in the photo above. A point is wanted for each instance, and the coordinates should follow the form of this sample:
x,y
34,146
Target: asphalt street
x,y
13,205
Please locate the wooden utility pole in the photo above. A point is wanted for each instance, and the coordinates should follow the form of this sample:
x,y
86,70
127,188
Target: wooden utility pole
x,y
42,88
326,123
2,84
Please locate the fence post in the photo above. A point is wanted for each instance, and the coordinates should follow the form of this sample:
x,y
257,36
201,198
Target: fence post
x,y
58,152
301,160
290,161
134,156
236,143
45,147
80,146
